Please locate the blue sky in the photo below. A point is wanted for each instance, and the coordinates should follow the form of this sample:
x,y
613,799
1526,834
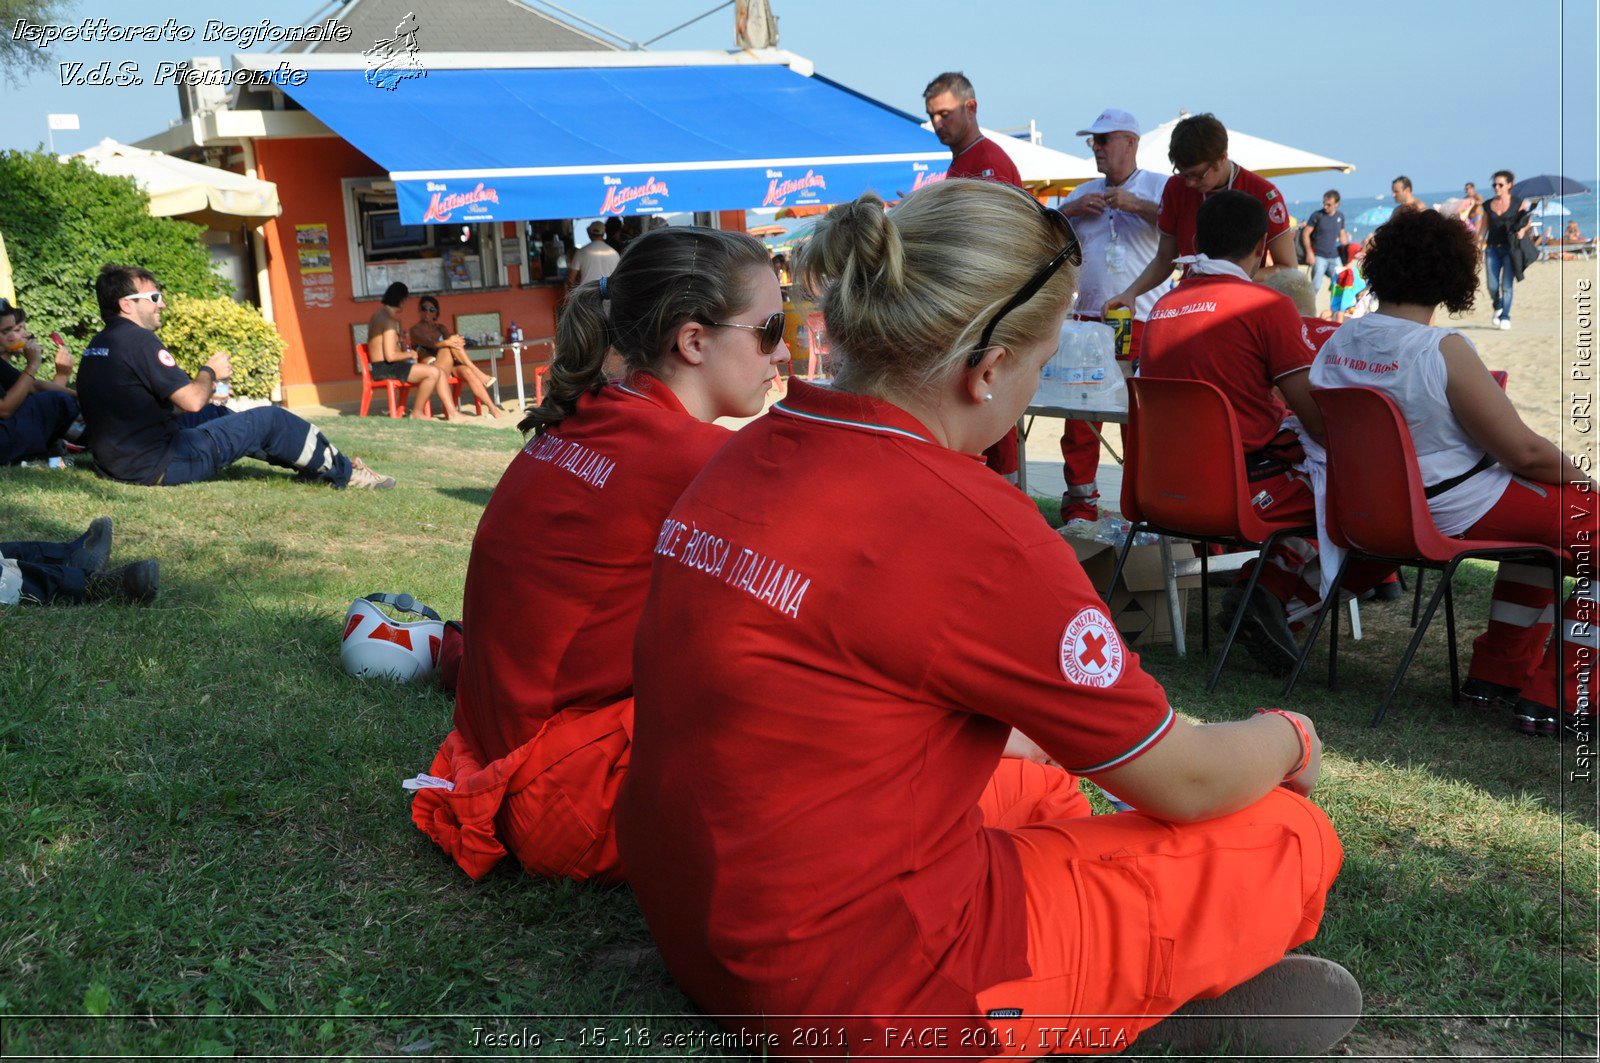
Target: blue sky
x,y
1438,96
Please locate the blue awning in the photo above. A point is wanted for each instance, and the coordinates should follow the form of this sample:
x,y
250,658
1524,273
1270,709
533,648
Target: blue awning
x,y
471,145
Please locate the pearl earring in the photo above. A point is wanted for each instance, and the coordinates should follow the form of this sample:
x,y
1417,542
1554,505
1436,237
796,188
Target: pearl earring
x,y
988,398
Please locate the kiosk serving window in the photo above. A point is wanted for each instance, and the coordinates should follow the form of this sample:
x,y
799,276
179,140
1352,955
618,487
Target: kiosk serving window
x,y
426,258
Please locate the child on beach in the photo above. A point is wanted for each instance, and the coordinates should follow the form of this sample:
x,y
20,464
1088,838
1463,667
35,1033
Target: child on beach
x,y
1349,297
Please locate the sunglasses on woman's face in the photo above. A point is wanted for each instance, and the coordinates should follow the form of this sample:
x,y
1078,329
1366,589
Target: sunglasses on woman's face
x,y
771,330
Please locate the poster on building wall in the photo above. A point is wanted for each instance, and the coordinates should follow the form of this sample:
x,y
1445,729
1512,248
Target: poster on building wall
x,y
316,266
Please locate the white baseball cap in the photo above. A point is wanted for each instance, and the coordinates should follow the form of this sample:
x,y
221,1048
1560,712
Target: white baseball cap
x,y
1112,120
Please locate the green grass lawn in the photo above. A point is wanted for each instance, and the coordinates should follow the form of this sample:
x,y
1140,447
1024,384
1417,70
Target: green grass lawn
x,y
205,848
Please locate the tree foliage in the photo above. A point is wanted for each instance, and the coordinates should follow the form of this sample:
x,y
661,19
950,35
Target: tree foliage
x,y
20,58
193,329
63,221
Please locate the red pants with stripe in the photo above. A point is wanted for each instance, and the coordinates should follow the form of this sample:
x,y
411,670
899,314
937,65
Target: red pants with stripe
x,y
551,801
1080,446
1294,570
1130,917
1513,650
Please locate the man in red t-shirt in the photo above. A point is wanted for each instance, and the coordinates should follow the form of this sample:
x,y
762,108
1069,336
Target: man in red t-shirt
x,y
953,111
1198,149
1250,341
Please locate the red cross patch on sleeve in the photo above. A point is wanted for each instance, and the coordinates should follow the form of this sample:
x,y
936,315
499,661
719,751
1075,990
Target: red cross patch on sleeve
x,y
1092,654
166,359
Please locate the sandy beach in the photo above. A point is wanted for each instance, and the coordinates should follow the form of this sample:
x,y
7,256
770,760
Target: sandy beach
x,y
1538,353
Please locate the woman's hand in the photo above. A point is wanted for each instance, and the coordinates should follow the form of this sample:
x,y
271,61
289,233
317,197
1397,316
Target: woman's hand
x,y
1022,747
1304,781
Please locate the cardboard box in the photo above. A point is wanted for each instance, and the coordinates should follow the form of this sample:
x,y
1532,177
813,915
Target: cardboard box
x,y
1139,608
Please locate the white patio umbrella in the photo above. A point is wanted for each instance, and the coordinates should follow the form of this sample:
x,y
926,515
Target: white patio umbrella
x,y
1265,157
187,190
1045,171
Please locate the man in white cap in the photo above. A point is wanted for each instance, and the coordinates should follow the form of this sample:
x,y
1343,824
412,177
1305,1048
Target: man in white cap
x,y
1115,219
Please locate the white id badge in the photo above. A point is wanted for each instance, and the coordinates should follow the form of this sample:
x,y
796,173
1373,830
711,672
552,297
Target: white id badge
x,y
1116,256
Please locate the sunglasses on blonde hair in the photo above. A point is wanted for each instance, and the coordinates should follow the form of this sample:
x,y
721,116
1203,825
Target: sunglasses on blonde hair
x,y
1071,251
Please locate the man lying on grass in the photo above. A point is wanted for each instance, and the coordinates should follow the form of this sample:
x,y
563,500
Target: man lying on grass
x,y
131,391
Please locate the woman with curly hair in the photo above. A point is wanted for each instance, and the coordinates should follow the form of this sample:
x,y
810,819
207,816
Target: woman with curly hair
x,y
1490,475
561,558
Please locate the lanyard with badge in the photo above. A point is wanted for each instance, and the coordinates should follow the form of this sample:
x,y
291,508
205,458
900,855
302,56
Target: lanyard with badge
x,y
1116,254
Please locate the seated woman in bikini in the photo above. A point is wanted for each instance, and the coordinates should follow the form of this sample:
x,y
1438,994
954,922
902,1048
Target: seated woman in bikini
x,y
448,350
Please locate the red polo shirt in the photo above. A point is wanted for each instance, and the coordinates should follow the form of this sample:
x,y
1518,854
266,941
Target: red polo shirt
x,y
561,560
845,620
1180,204
1236,334
1318,332
986,161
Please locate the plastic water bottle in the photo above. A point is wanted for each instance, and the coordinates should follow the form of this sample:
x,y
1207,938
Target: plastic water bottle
x,y
1072,368
1094,376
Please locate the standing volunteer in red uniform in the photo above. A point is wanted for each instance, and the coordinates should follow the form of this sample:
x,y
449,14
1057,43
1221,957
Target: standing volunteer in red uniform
x,y
1198,150
953,111
847,617
544,700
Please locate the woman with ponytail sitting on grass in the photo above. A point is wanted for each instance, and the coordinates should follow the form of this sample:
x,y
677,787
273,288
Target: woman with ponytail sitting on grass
x,y
561,559
808,822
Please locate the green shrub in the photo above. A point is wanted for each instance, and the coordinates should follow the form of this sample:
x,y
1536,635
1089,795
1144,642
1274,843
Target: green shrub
x,y
193,329
64,220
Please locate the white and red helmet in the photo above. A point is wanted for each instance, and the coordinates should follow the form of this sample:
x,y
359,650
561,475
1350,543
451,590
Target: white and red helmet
x,y
376,644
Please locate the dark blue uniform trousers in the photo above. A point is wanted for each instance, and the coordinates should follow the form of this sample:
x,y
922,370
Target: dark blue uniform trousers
x,y
216,437
45,573
43,418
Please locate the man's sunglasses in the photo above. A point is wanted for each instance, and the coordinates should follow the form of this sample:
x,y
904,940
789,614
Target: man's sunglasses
x,y
155,297
1071,251
771,330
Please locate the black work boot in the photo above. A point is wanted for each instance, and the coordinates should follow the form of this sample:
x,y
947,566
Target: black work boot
x,y
93,548
134,582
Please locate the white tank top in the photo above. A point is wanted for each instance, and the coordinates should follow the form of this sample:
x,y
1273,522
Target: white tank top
x,y
1401,358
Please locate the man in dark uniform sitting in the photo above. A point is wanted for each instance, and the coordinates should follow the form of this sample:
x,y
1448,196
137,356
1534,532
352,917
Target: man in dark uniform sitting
x,y
131,389
36,415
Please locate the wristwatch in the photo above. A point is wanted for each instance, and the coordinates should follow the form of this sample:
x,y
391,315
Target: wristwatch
x,y
208,369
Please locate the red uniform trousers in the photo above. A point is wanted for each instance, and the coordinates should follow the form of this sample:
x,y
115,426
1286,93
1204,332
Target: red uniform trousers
x,y
1080,447
1002,457
1294,572
551,801
1130,917
1512,651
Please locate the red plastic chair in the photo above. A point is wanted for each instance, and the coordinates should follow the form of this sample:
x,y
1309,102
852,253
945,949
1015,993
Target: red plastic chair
x,y
395,388
1183,476
1500,377
1378,508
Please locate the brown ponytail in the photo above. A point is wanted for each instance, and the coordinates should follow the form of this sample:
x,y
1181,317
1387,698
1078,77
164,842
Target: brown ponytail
x,y
666,277
582,340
